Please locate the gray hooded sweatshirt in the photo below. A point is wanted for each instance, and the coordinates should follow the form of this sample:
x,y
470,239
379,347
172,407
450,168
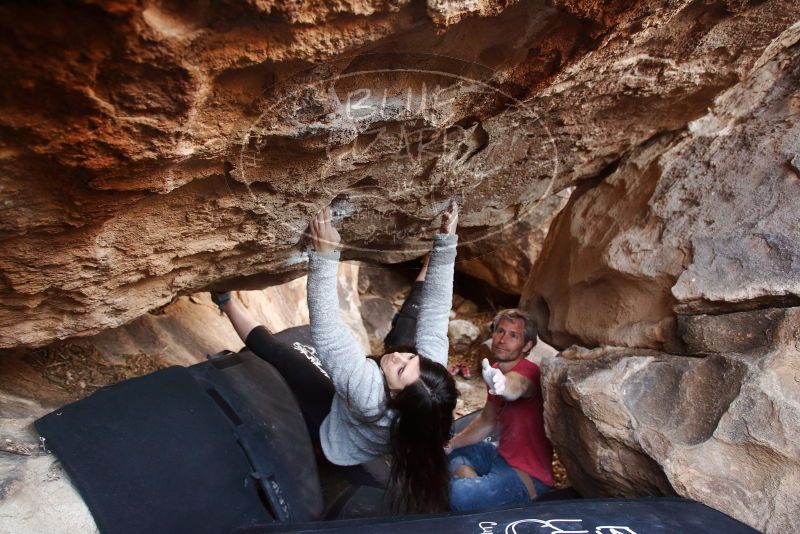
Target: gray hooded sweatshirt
x,y
357,428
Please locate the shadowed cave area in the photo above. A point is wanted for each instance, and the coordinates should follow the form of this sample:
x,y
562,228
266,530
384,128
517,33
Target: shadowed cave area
x,y
626,173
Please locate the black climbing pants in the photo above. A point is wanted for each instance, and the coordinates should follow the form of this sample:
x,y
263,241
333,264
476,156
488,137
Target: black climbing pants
x,y
404,324
300,368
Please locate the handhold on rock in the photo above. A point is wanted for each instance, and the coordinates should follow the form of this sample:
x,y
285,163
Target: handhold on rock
x,y
794,163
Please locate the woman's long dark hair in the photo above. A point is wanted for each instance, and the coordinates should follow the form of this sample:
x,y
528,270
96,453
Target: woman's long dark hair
x,y
419,432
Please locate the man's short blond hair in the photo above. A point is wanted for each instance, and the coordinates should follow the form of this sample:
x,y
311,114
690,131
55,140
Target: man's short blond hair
x,y
530,332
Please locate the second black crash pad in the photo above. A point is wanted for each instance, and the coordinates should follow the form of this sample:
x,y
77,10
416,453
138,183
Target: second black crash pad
x,y
665,515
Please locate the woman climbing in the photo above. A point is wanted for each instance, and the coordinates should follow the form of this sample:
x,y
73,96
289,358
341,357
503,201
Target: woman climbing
x,y
361,408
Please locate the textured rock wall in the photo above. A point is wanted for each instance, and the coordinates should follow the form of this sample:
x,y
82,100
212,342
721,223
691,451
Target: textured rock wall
x,y
700,220
686,256
154,149
505,260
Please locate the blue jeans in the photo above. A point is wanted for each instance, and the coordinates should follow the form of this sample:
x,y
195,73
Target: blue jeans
x,y
496,484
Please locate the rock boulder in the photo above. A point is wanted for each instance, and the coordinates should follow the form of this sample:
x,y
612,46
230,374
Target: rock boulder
x,y
723,429
681,265
695,221
462,334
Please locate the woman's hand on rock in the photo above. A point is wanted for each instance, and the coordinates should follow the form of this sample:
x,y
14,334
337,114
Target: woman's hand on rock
x,y
449,219
324,237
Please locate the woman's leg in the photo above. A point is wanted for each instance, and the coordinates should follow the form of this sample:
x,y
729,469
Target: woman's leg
x,y
404,324
299,366
241,320
311,386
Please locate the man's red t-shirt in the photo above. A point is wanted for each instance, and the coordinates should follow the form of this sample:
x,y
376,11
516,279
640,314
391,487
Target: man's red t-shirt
x,y
523,443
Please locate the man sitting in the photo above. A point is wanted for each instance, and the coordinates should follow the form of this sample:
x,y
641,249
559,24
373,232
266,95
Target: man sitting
x,y
521,467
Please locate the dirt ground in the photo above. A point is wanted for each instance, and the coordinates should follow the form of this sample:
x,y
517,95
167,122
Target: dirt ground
x,y
81,370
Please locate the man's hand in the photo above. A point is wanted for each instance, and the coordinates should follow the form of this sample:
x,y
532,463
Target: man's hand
x,y
449,219
494,378
324,237
480,428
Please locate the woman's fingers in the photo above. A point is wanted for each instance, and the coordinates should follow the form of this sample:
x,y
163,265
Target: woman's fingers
x,y
320,219
324,236
452,211
316,231
449,218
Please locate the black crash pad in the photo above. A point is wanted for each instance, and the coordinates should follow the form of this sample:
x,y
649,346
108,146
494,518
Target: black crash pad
x,y
189,450
663,515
